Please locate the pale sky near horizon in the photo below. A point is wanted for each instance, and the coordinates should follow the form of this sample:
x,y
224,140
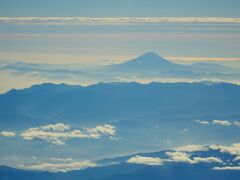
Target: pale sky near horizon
x,y
68,41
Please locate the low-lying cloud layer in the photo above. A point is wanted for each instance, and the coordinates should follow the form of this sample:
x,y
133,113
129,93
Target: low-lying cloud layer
x,y
59,133
186,154
185,157
233,149
116,20
190,154
175,156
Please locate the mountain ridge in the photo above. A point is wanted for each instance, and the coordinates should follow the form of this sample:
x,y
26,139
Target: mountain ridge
x,y
67,86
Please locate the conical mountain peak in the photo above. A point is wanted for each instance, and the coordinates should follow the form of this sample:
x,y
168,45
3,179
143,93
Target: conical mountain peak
x,y
150,54
150,57
149,61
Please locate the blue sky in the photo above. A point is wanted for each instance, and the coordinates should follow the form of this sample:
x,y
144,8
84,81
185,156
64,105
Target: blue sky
x,y
115,8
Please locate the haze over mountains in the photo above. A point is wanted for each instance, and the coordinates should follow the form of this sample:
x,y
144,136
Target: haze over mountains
x,y
145,68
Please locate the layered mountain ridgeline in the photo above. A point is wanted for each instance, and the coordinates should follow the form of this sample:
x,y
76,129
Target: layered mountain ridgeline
x,y
115,101
189,162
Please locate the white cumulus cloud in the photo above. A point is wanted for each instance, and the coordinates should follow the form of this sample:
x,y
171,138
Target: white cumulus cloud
x,y
145,160
59,133
207,160
63,167
222,122
202,122
233,149
7,134
185,157
102,129
179,157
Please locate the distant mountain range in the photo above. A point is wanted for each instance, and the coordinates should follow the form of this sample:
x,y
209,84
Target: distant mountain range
x,y
165,112
119,101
